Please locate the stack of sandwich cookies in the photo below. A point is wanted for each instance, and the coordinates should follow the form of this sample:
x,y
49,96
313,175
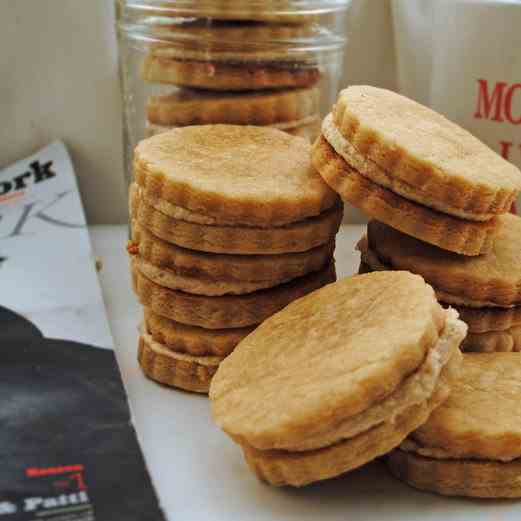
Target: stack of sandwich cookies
x,y
486,289
295,111
338,377
471,444
217,67
411,168
234,72
229,225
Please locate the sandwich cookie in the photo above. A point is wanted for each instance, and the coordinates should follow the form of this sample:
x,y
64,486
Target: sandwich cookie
x,y
227,311
193,340
338,377
411,168
253,57
237,175
184,107
486,289
295,111
471,444
186,229
191,373
218,274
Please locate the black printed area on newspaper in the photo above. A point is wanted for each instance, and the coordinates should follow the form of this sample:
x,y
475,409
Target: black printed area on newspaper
x,y
67,447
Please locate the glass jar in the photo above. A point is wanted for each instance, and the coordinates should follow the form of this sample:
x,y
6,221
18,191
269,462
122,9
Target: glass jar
x,y
254,62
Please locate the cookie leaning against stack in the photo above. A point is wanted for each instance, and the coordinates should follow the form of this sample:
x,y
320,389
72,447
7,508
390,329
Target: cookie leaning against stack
x,y
230,224
486,290
471,444
338,377
411,168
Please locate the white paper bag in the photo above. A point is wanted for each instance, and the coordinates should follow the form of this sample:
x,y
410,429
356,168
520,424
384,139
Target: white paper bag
x,y
463,59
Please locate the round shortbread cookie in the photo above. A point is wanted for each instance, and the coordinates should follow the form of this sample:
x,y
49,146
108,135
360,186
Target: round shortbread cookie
x,y
436,159
293,238
261,269
482,418
193,340
194,107
471,444
491,279
325,359
470,478
493,341
478,315
223,76
383,178
483,320
415,389
191,373
444,231
228,311
255,176
279,467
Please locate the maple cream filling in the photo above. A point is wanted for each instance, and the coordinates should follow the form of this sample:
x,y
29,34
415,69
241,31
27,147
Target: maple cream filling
x,y
207,361
370,257
172,279
376,174
415,389
182,214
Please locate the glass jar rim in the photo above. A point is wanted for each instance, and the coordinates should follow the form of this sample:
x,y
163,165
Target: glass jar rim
x,y
196,8
151,27
322,41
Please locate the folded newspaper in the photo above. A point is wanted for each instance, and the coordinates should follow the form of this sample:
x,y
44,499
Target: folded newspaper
x,y
67,445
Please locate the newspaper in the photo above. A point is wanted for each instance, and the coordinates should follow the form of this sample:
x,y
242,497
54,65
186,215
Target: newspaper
x,y
68,449
47,270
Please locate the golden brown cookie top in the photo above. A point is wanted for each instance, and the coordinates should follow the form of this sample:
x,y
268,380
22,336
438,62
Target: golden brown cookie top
x,y
421,147
482,417
493,277
252,175
325,358
190,107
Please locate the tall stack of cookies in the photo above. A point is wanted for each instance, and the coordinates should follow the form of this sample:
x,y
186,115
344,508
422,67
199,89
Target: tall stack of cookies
x,y
234,66
439,200
229,225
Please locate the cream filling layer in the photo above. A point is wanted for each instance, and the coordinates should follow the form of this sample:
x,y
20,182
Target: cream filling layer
x,y
415,389
370,257
379,176
207,361
199,285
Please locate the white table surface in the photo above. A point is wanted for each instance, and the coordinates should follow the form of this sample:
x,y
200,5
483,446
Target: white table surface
x,y
199,473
